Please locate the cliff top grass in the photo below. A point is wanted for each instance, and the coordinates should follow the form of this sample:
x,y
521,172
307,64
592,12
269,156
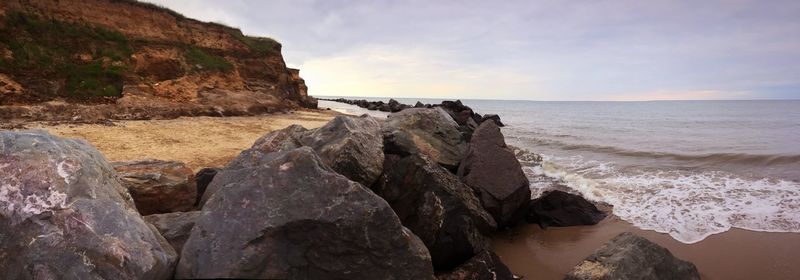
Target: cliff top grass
x,y
260,45
53,50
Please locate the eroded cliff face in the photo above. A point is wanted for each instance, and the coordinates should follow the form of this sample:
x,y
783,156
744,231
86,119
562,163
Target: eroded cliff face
x,y
135,54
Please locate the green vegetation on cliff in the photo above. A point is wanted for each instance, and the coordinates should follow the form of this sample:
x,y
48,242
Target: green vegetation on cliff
x,y
88,59
206,61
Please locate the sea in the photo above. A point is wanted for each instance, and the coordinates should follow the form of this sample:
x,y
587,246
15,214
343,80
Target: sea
x,y
689,169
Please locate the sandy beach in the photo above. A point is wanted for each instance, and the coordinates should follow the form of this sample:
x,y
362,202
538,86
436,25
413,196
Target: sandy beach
x,y
737,254
197,141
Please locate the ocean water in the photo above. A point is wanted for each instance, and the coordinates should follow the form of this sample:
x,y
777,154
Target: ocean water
x,y
686,168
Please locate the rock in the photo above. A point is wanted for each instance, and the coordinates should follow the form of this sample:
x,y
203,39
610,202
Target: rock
x,y
63,214
281,140
494,172
352,146
158,186
493,117
628,256
485,265
175,227
560,209
425,131
294,217
203,178
436,206
384,108
419,105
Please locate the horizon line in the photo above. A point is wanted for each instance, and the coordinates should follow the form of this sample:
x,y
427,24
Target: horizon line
x,y
654,100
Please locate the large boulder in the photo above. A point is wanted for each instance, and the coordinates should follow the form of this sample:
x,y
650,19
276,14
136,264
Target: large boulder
x,y
281,140
63,214
494,118
431,132
175,227
628,256
439,208
561,209
158,186
291,216
493,171
483,266
352,146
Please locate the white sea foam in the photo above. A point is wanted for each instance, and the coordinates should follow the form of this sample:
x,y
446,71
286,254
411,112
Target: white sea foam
x,y
687,206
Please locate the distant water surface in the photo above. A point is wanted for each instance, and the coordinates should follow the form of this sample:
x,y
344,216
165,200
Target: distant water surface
x,y
686,168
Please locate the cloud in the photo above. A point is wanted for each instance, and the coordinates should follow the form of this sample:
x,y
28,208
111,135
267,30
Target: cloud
x,y
540,50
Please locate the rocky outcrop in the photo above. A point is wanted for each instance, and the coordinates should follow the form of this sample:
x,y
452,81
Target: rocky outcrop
x,y
139,59
63,214
320,225
628,256
436,206
561,209
352,146
158,186
485,265
494,172
175,227
431,132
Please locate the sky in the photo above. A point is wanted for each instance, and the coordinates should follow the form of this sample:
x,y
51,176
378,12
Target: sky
x,y
528,50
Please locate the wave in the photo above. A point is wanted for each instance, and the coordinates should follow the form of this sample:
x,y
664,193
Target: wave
x,y
689,206
713,158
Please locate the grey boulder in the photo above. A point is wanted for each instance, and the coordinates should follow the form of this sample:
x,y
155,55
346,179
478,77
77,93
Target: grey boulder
x,y
431,132
352,146
63,214
158,186
493,171
628,256
439,208
291,216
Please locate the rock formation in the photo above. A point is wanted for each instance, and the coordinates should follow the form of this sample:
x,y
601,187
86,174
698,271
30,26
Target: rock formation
x,y
492,169
560,209
436,206
64,215
628,256
431,132
139,60
158,186
291,216
485,265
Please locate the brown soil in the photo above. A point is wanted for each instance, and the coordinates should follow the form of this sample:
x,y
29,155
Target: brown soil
x,y
197,141
736,254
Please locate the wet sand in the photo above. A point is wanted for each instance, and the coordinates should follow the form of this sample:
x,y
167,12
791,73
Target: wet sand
x,y
197,141
737,254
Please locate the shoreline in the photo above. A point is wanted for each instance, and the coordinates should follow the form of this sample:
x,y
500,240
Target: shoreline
x,y
550,253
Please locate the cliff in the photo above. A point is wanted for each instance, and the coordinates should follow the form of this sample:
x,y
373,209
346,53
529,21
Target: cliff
x,y
138,55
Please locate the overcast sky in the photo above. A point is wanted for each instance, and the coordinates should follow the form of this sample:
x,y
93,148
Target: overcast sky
x,y
533,50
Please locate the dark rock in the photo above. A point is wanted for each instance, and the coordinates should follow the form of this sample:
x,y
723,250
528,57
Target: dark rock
x,y
485,265
436,206
560,209
372,107
628,256
493,117
281,140
352,146
158,186
294,217
419,105
384,108
203,178
63,214
493,171
175,227
430,132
